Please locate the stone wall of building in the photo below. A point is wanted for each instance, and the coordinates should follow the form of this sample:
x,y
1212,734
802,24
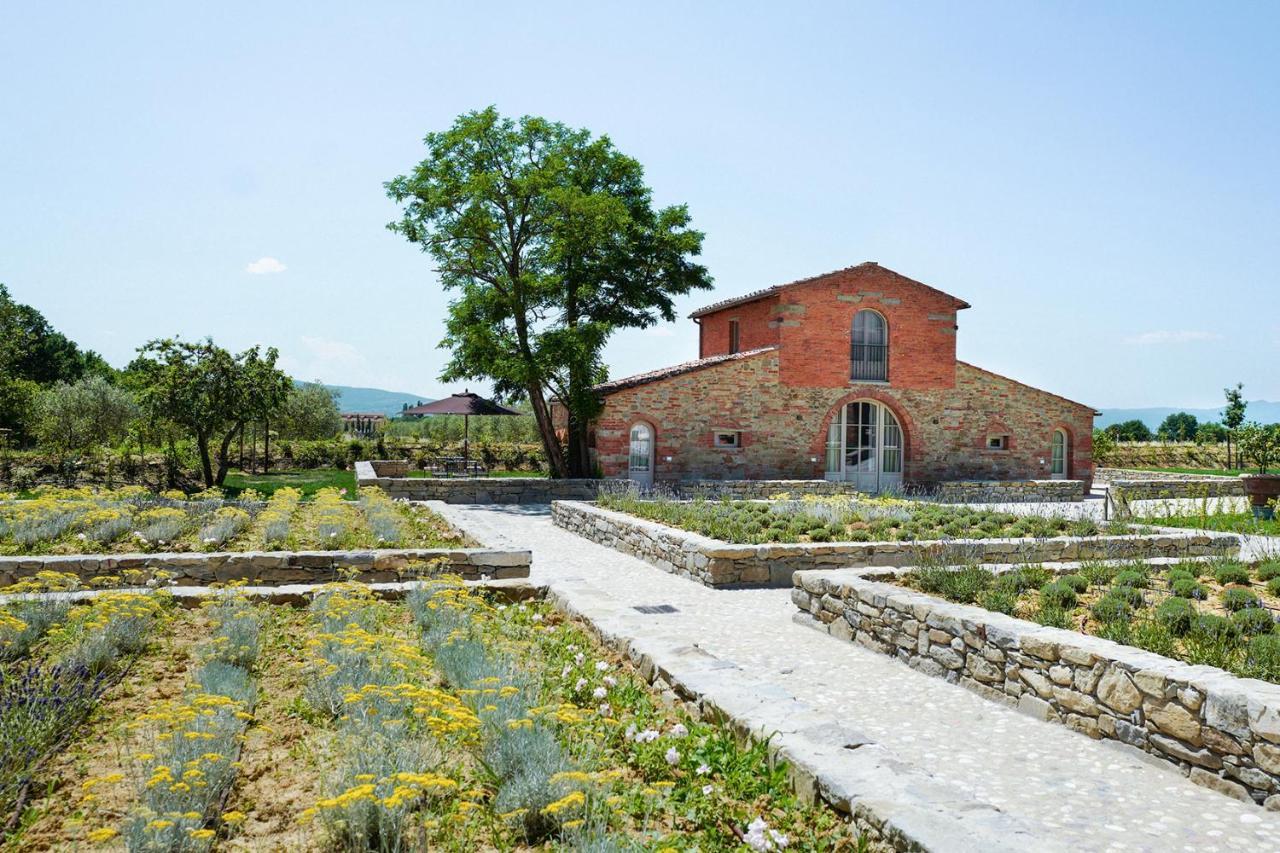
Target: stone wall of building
x,y
271,568
1010,491
784,427
1221,730
720,564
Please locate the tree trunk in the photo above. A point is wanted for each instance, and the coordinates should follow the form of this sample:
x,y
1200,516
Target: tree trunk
x,y
224,454
206,464
266,445
547,432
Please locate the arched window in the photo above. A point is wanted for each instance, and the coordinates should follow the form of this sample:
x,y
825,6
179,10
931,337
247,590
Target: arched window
x,y
1058,466
869,355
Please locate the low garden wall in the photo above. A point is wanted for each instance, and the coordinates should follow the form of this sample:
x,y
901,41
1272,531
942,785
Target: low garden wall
x,y
1221,730
1127,491
270,568
720,564
1010,491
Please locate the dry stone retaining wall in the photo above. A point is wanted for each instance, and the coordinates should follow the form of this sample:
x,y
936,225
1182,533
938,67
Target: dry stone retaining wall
x,y
1010,491
1223,731
269,568
720,564
1123,491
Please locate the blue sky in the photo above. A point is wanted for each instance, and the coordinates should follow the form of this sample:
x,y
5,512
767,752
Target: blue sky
x,y
1100,181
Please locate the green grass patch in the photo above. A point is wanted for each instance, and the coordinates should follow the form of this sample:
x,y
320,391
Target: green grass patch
x,y
307,481
1226,522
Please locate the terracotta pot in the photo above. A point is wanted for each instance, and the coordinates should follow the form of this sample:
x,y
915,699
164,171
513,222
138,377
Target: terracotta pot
x,y
1262,489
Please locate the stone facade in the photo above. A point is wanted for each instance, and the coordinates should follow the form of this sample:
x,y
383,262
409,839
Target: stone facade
x,y
1223,731
781,394
720,564
270,568
1010,491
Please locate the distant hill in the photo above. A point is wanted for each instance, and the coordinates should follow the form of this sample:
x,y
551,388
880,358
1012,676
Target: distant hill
x,y
1261,411
374,400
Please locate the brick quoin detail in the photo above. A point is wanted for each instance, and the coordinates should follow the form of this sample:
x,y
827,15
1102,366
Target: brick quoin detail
x,y
782,398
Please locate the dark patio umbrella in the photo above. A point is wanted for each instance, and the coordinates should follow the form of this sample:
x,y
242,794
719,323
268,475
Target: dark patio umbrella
x,y
465,404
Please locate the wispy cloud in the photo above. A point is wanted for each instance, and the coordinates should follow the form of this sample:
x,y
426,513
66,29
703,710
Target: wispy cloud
x,y
1169,336
327,360
661,331
265,266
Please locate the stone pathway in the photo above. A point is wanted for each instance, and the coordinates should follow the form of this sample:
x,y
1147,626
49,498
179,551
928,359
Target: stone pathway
x,y
1065,790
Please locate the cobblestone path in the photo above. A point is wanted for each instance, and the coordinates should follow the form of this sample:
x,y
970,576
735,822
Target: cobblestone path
x,y
1070,792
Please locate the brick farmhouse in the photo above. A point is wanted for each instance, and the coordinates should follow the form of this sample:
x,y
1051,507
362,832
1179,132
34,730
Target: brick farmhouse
x,y
850,375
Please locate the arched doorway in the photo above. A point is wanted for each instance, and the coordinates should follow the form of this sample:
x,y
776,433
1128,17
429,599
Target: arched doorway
x,y
640,455
864,446
1058,459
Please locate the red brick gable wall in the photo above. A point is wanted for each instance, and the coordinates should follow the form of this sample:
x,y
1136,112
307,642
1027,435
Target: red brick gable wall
x,y
756,327
816,325
812,321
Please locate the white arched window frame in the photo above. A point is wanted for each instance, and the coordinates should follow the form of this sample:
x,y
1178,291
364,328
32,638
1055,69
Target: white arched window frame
x,y
1058,460
869,351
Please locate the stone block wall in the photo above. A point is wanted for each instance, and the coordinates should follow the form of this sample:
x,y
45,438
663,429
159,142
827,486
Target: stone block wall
x,y
1223,731
1010,491
784,427
720,564
271,568
1124,491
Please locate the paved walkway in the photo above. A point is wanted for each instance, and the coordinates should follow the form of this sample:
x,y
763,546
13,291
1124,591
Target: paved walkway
x,y
1069,791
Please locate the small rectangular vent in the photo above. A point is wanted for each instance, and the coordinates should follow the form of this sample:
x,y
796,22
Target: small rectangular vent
x,y
656,608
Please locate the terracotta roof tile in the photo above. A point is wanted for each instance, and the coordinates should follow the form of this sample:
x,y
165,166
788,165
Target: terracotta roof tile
x,y
614,385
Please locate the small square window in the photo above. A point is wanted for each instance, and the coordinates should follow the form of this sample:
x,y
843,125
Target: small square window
x,y
997,442
727,439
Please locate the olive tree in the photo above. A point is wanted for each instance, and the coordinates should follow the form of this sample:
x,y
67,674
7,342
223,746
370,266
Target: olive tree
x,y
310,411
75,418
209,393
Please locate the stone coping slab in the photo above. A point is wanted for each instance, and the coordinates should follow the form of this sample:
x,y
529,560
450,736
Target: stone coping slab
x,y
897,806
508,590
722,564
277,567
1221,730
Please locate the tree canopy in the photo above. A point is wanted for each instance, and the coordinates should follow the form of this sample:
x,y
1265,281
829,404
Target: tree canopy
x,y
32,349
210,393
1133,430
1179,426
310,411
550,241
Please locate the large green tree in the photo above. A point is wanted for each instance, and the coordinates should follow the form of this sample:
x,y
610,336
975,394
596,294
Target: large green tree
x,y
32,349
549,241
209,393
1133,430
1179,426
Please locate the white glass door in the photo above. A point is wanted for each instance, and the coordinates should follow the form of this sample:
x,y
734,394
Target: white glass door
x,y
640,455
864,446
1058,466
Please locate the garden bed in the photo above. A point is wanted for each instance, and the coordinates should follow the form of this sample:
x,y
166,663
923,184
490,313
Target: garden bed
x,y
443,721
1220,728
721,563
133,520
364,540
1230,522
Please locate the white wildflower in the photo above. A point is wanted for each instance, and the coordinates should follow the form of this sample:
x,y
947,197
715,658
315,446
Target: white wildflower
x,y
582,682
601,666
599,693
703,769
610,681
672,756
679,731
